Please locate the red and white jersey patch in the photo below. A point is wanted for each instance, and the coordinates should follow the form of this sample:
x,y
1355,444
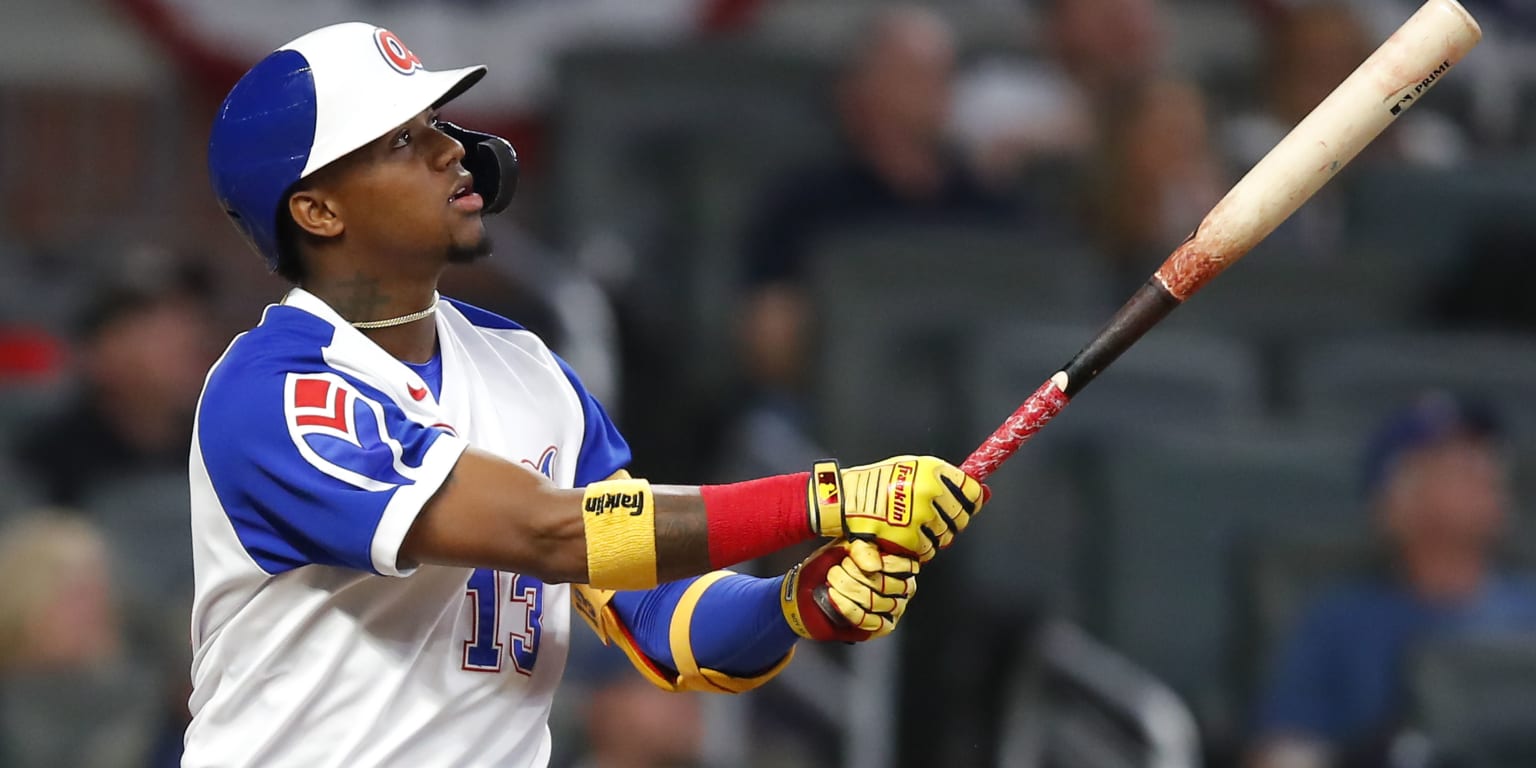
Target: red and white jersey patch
x,y
321,404
344,433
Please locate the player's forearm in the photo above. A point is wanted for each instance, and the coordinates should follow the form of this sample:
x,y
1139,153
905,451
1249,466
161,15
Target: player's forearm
x,y
619,533
682,533
638,535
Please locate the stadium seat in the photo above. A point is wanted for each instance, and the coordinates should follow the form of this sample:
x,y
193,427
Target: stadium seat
x,y
902,320
1175,504
17,492
898,313
1037,524
1418,218
103,716
1026,553
1471,696
1402,229
146,519
1355,381
21,402
1275,295
1075,702
639,125
1169,376
618,106
662,156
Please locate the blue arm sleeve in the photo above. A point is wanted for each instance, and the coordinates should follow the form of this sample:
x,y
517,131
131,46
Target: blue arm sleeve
x,y
738,627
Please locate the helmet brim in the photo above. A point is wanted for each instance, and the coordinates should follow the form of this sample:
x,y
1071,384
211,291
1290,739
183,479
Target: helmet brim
x,y
422,91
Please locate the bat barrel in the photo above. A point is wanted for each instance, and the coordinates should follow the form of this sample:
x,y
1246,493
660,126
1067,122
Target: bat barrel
x,y
1394,78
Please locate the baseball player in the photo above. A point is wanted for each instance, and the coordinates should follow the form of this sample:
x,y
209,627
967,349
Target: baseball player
x,y
397,497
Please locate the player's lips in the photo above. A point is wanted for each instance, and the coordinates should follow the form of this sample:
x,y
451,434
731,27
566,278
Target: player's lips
x,y
470,203
465,199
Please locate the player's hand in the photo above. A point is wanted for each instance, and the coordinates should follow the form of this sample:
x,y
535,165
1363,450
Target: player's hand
x,y
911,505
848,591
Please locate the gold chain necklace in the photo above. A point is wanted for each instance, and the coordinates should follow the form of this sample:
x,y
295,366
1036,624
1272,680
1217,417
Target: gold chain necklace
x,y
368,325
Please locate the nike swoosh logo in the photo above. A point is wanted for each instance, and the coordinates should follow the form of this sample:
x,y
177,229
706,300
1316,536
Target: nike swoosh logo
x,y
417,393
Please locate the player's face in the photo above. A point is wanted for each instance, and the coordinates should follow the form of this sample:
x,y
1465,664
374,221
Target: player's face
x,y
407,193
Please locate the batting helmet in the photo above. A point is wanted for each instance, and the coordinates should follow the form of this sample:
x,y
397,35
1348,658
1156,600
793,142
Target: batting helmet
x,y
320,97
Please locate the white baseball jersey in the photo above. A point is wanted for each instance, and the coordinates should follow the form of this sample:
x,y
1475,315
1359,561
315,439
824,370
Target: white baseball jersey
x,y
314,451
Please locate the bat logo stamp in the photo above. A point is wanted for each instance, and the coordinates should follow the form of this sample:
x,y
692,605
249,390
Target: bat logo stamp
x,y
1405,97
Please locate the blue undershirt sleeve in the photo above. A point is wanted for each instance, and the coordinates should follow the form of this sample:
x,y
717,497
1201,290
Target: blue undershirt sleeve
x,y
738,627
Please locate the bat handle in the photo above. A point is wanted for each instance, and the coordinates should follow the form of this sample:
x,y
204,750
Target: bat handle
x,y
1031,417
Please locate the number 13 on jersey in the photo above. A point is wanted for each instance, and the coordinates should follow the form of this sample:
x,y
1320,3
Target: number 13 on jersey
x,y
517,616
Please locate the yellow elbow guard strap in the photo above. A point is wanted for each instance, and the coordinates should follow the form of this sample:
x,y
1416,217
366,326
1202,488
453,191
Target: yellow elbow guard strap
x,y
620,521
593,605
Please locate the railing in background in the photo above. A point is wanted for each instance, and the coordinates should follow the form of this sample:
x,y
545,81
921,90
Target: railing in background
x,y
1082,704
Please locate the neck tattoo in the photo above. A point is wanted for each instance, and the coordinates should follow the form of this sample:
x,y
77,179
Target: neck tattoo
x,y
368,325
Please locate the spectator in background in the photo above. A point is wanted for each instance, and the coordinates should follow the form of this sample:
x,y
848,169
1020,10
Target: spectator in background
x,y
142,348
56,606
117,452
625,722
892,101
1157,176
1309,48
67,695
1012,111
1490,80
1487,287
1438,486
633,724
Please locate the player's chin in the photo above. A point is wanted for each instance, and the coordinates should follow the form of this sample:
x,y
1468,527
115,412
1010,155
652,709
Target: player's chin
x,y
464,251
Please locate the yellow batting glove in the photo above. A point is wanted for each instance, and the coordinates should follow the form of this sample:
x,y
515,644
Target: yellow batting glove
x,y
848,591
911,505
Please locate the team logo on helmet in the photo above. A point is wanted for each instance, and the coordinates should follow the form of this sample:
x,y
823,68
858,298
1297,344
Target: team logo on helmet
x,y
395,53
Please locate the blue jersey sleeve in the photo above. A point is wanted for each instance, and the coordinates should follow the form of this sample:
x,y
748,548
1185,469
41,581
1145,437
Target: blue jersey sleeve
x,y
317,468
603,450
738,627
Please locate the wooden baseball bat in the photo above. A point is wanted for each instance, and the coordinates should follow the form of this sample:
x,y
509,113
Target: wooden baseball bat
x,y
1395,77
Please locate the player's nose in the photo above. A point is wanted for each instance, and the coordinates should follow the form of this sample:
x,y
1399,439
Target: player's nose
x,y
451,153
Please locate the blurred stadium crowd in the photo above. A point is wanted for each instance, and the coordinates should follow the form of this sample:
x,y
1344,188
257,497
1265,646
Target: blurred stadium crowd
x,y
1287,530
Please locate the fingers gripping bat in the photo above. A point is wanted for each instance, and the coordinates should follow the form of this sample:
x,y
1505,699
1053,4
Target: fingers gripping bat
x,y
1395,77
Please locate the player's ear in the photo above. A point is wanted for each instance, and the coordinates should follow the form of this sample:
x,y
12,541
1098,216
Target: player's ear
x,y
315,213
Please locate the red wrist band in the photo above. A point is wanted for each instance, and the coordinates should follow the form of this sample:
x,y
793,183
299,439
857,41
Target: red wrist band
x,y
758,517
